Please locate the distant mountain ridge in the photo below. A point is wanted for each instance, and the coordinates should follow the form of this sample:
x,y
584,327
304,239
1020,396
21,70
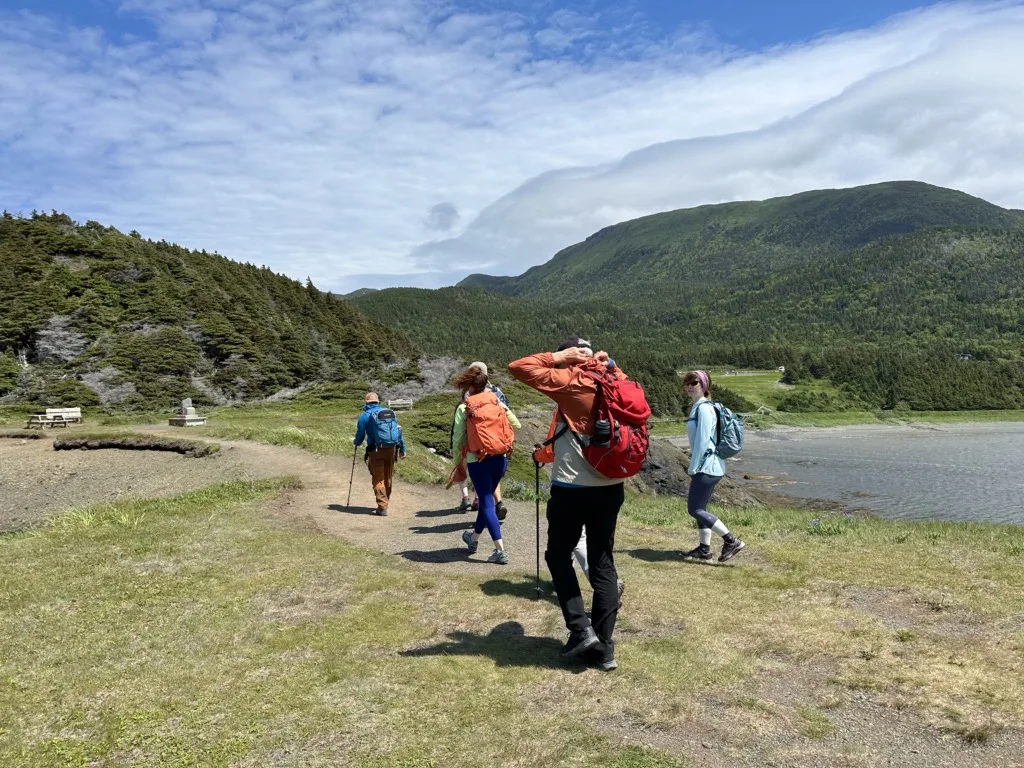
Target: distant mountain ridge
x,y
756,237
91,315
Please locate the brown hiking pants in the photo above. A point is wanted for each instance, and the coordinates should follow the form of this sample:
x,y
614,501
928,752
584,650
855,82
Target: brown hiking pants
x,y
381,463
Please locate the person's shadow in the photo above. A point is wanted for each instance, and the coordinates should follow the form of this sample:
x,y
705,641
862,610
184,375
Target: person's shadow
x,y
507,644
453,555
673,556
352,510
524,588
440,513
442,528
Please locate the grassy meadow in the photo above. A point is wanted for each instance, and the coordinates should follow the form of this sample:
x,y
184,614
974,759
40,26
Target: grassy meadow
x,y
207,630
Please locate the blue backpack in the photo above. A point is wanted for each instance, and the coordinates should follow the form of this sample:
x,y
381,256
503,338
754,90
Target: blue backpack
x,y
728,431
501,395
730,427
384,428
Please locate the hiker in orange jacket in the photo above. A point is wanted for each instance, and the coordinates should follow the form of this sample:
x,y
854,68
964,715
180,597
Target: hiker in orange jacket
x,y
582,499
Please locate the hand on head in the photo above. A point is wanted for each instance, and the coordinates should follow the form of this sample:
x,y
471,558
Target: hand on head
x,y
571,356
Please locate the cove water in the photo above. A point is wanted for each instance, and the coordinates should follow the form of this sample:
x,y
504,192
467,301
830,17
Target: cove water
x,y
972,472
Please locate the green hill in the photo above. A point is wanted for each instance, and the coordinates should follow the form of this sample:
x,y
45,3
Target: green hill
x,y
811,282
92,315
700,247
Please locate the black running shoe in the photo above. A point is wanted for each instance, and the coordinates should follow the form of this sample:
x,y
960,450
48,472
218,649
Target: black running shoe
x,y
700,553
464,505
579,642
475,505
501,511
729,549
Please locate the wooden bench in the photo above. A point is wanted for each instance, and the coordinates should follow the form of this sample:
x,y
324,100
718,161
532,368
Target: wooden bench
x,y
72,415
43,421
55,417
400,405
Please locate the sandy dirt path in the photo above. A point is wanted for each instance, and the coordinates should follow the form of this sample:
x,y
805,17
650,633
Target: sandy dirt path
x,y
423,525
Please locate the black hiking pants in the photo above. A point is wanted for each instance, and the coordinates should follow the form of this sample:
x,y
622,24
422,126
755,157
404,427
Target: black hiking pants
x,y
570,510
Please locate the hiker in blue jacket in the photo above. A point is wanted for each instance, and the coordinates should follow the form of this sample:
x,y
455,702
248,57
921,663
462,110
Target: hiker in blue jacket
x,y
706,469
384,444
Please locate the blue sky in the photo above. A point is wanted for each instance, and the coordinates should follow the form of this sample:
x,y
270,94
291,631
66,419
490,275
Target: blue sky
x,y
749,24
411,142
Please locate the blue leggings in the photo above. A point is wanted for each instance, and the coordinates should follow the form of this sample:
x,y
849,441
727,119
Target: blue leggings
x,y
486,475
697,499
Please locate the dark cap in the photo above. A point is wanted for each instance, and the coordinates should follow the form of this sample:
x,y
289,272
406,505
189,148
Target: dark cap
x,y
573,341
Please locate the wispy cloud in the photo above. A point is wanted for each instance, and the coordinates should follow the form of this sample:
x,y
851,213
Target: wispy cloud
x,y
337,139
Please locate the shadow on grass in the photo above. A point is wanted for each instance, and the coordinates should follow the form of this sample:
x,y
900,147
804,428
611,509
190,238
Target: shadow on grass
x,y
672,556
439,512
525,588
443,528
352,510
507,644
454,555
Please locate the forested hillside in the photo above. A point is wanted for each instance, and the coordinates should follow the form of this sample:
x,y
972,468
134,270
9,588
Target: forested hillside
x,y
922,287
703,247
91,315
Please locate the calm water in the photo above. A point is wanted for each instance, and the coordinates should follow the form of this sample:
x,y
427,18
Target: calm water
x,y
962,472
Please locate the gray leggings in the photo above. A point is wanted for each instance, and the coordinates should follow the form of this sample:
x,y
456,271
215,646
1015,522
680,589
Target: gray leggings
x,y
697,499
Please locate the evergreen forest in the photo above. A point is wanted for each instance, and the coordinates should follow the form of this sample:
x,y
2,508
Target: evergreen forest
x,y
93,316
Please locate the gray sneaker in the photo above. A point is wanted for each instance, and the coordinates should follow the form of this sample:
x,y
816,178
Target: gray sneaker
x,y
730,548
498,556
467,537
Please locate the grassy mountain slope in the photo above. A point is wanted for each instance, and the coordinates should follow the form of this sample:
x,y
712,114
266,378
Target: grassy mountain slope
x,y
810,282
700,247
90,314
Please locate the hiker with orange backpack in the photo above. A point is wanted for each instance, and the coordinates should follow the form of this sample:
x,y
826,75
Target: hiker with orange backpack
x,y
598,437
483,435
461,476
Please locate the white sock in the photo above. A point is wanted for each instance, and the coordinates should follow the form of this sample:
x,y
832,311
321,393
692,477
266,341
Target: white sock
x,y
705,536
720,529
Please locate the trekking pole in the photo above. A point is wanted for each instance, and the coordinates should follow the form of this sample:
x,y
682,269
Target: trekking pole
x,y
536,489
351,475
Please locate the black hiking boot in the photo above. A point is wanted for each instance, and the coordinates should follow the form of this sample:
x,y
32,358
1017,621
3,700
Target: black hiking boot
x,y
702,552
602,657
475,505
730,548
501,511
579,642
464,505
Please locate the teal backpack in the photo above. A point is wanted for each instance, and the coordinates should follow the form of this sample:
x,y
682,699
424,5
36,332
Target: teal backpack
x,y
728,432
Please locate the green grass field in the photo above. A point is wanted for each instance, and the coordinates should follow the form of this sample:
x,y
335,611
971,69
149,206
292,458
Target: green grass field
x,y
764,387
207,631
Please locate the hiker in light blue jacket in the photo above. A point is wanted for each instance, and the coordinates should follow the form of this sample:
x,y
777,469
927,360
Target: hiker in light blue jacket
x,y
706,469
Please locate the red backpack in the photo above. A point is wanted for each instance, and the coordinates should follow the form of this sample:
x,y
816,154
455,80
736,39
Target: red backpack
x,y
488,431
622,404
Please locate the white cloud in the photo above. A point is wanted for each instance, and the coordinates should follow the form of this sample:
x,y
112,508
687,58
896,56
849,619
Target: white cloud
x,y
311,136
